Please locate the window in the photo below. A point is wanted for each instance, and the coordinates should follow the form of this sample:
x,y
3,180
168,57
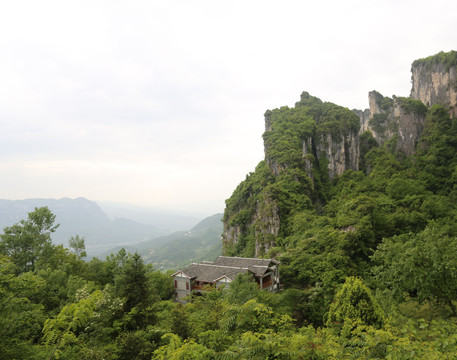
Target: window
x,y
187,285
176,284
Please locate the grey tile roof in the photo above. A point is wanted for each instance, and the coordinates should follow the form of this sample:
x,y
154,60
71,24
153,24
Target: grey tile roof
x,y
227,266
258,270
243,262
210,272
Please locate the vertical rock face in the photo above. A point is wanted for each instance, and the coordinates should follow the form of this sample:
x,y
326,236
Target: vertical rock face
x,y
263,224
408,127
340,152
364,116
341,155
435,83
266,226
274,165
231,234
398,120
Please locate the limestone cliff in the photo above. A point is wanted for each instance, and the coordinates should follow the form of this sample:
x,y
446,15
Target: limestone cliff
x,y
326,134
398,121
255,221
340,152
309,145
434,80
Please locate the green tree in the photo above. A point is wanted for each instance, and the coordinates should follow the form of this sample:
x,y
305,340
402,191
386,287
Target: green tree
x,y
422,265
133,284
354,304
176,349
241,289
29,240
63,329
180,323
20,319
162,283
137,345
77,245
253,316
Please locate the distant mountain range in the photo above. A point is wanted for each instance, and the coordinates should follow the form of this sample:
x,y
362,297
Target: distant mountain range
x,y
87,219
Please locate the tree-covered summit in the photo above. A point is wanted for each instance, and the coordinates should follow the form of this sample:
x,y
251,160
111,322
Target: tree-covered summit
x,y
448,59
372,220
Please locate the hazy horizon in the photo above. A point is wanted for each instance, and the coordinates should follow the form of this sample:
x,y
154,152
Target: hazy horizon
x,y
115,206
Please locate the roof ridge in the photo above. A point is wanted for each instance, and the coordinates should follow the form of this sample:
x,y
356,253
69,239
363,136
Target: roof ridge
x,y
240,257
223,266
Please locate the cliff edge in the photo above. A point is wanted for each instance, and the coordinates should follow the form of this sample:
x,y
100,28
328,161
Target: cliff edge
x,y
308,146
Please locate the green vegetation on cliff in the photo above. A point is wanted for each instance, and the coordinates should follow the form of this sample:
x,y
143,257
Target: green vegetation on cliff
x,y
448,59
265,200
388,223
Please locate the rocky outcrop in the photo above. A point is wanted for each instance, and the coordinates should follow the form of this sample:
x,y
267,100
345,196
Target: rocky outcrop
x,y
263,224
314,137
408,126
397,120
364,116
231,234
274,166
266,226
435,82
340,152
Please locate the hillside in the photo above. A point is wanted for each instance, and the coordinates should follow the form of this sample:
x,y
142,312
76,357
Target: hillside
x,y
312,148
340,192
157,217
202,242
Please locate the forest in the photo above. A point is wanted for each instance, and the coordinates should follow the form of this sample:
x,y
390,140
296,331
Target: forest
x,y
368,262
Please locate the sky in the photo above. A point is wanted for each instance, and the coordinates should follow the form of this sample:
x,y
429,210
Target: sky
x,y
161,103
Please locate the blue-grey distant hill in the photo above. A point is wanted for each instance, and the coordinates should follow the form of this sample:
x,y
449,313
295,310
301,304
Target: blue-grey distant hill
x,y
85,218
172,220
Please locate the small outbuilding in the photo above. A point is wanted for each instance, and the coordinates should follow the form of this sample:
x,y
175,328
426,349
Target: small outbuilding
x,y
222,271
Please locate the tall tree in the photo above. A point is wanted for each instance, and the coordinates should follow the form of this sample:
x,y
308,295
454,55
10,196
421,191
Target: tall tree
x,y
28,240
20,319
77,244
423,265
133,285
354,304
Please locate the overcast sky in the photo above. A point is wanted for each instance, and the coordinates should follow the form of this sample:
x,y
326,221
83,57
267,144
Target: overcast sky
x,y
161,102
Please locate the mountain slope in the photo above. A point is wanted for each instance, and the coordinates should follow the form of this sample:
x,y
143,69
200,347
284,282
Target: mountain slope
x,y
373,196
202,242
308,147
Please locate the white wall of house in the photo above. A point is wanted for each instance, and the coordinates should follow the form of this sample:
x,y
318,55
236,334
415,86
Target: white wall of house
x,y
182,286
223,281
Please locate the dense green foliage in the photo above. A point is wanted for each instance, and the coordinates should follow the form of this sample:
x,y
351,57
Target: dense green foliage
x,y
354,304
412,106
391,224
53,304
446,58
368,263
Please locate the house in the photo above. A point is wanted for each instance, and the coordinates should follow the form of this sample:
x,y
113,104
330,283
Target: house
x,y
222,271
